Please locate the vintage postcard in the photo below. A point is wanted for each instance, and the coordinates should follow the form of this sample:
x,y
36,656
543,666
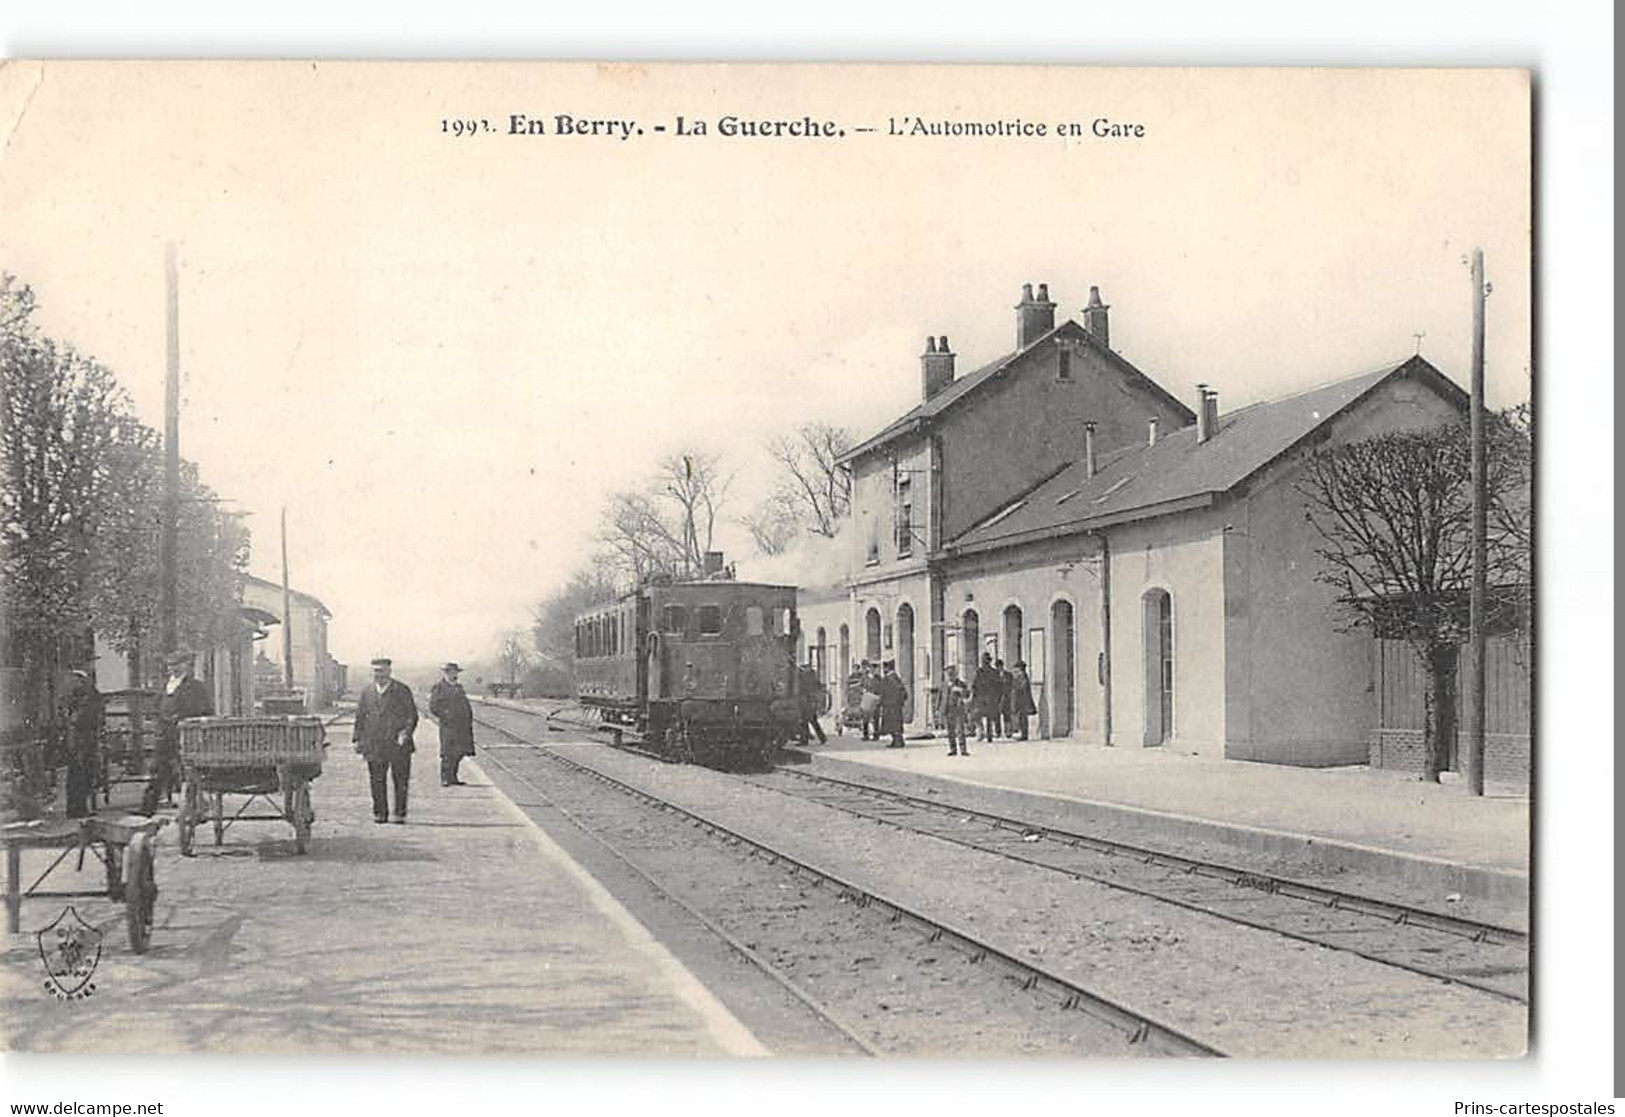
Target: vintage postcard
x,y
810,560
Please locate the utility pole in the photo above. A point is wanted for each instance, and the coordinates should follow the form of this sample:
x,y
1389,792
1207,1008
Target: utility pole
x,y
287,610
168,540
1475,668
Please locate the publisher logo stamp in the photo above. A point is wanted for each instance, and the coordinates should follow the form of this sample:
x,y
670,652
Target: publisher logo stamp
x,y
71,949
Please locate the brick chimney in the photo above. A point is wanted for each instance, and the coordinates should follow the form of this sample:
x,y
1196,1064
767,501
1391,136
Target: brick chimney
x,y
1094,318
1151,431
936,366
1035,317
1090,463
1204,429
1210,411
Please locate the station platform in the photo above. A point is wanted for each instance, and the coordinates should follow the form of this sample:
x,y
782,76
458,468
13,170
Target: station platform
x,y
1434,840
465,931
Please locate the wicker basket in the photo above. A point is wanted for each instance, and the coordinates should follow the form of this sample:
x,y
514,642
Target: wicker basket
x,y
252,742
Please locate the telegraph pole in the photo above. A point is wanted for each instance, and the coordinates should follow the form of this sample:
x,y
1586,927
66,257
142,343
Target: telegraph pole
x,y
1475,669
287,610
172,454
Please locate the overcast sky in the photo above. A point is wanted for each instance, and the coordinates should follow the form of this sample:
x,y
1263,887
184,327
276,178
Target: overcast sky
x,y
441,354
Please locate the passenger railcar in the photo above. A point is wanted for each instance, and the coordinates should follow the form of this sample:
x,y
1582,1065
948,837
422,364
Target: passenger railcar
x,y
703,671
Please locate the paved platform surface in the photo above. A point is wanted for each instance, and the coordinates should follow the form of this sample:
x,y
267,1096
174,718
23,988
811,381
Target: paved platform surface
x,y
464,931
1362,808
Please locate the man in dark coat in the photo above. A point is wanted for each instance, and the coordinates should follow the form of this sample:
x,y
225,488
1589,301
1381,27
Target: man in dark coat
x,y
450,708
1004,724
184,697
892,697
809,692
1022,705
384,719
985,690
82,710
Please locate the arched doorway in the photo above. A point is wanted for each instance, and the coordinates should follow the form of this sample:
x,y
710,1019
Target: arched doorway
x,y
905,657
1157,636
970,643
1062,669
1012,636
871,633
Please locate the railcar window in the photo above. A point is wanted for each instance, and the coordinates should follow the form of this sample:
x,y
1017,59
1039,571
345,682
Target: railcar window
x,y
674,619
753,620
710,617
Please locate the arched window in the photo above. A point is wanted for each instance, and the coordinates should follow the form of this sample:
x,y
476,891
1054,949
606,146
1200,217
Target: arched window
x,y
871,634
1012,644
970,643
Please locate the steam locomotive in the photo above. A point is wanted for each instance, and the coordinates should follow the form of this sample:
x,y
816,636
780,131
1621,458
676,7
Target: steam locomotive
x,y
703,671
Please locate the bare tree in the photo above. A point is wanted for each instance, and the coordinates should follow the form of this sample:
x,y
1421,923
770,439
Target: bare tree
x,y
512,658
811,487
668,527
1394,516
773,525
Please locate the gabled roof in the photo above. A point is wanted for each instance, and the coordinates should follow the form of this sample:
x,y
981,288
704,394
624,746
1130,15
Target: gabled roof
x,y
1140,481
277,586
962,386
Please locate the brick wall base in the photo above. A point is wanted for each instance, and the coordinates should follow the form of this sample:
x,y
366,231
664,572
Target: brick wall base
x,y
1506,755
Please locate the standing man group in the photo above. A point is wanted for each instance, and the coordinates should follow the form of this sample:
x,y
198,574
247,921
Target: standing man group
x,y
450,707
986,694
384,720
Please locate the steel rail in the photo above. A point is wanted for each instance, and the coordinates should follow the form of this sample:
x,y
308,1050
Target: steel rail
x,y
1333,899
1137,1026
823,1012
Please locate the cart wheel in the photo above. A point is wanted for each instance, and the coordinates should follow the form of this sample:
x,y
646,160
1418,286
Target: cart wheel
x,y
219,818
302,816
191,805
140,891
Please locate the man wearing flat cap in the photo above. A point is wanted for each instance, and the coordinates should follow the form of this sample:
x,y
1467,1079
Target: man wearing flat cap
x,y
450,708
384,719
184,697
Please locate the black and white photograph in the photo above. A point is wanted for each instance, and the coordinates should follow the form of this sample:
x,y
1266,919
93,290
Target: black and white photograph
x,y
648,561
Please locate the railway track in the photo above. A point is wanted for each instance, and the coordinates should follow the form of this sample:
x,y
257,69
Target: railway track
x,y
1129,1031
1485,957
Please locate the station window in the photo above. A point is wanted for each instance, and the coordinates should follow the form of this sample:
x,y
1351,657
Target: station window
x,y
674,619
905,518
753,620
710,617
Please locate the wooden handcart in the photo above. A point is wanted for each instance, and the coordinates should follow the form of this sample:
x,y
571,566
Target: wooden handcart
x,y
123,844
268,761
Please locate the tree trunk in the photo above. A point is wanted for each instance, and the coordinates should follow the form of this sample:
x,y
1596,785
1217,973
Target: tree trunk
x,y
1439,708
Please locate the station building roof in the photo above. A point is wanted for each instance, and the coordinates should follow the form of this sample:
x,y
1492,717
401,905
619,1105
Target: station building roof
x,y
1177,471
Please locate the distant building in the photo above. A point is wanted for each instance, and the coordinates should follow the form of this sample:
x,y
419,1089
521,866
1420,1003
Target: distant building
x,y
1150,563
315,672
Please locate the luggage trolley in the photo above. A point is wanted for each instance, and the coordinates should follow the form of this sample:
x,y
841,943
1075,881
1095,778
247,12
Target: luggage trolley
x,y
267,760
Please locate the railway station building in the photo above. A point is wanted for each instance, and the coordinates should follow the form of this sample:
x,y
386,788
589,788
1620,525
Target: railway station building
x,y
1150,562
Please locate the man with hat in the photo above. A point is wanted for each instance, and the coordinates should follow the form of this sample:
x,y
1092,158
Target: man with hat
x,y
82,710
385,717
892,697
449,705
184,697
